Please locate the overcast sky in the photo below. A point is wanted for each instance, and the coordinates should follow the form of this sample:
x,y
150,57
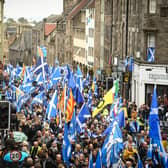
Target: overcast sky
x,y
32,9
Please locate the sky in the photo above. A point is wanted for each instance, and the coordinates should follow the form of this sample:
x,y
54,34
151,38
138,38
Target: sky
x,y
32,9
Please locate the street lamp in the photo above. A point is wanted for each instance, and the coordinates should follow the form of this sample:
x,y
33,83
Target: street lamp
x,y
116,64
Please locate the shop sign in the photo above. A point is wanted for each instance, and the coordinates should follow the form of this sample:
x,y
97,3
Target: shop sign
x,y
158,76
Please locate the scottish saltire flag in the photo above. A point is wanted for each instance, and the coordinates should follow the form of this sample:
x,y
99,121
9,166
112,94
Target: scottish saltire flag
x,y
126,62
99,160
38,99
90,161
89,102
21,101
112,147
155,135
66,147
18,70
9,95
41,66
52,108
28,76
39,79
27,87
83,115
79,77
79,97
72,127
56,76
109,128
86,81
71,81
121,118
151,54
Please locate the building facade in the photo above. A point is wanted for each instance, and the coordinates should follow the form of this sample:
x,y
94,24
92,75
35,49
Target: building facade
x,y
141,31
90,33
1,29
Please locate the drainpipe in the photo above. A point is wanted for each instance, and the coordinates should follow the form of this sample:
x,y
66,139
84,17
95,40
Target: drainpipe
x,y
126,39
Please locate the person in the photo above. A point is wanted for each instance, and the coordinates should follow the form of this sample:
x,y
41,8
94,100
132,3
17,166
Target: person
x,y
35,149
129,152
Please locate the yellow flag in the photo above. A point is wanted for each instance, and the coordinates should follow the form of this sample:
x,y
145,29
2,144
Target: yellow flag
x,y
107,99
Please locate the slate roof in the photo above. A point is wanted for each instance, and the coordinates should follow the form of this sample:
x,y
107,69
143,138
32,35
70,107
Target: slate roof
x,y
77,8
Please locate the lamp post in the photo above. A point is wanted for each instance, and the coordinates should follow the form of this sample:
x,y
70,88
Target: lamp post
x,y
116,64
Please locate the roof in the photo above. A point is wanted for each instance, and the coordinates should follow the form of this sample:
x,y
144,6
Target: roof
x,y
49,28
22,43
91,4
77,8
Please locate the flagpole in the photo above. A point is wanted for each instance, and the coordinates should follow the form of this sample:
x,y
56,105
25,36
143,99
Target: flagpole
x,y
64,99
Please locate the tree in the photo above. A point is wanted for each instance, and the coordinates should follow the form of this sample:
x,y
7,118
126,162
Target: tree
x,y
22,20
11,20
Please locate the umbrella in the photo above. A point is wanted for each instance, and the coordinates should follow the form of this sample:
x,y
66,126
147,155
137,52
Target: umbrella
x,y
19,136
15,156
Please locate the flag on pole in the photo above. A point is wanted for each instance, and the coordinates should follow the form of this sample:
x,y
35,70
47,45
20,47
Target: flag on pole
x,y
112,146
72,127
66,148
99,160
107,99
83,115
90,160
69,107
151,54
52,108
155,135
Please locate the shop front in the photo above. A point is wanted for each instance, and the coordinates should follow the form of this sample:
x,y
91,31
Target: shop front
x,y
144,78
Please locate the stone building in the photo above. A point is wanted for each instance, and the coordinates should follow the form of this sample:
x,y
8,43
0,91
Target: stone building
x,y
140,29
103,35
20,50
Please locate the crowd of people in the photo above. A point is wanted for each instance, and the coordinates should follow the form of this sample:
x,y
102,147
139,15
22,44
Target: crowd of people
x,y
45,138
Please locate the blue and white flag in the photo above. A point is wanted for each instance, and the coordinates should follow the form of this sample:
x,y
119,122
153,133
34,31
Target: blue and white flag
x,y
90,161
121,118
66,148
112,147
131,64
155,135
89,102
56,76
41,66
79,80
52,106
83,115
151,54
38,99
70,78
72,127
79,97
39,79
99,160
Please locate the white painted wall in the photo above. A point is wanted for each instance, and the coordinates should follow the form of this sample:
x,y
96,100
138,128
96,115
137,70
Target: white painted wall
x,y
157,76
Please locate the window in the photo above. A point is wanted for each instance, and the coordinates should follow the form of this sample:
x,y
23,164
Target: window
x,y
90,51
164,11
152,6
91,32
151,40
